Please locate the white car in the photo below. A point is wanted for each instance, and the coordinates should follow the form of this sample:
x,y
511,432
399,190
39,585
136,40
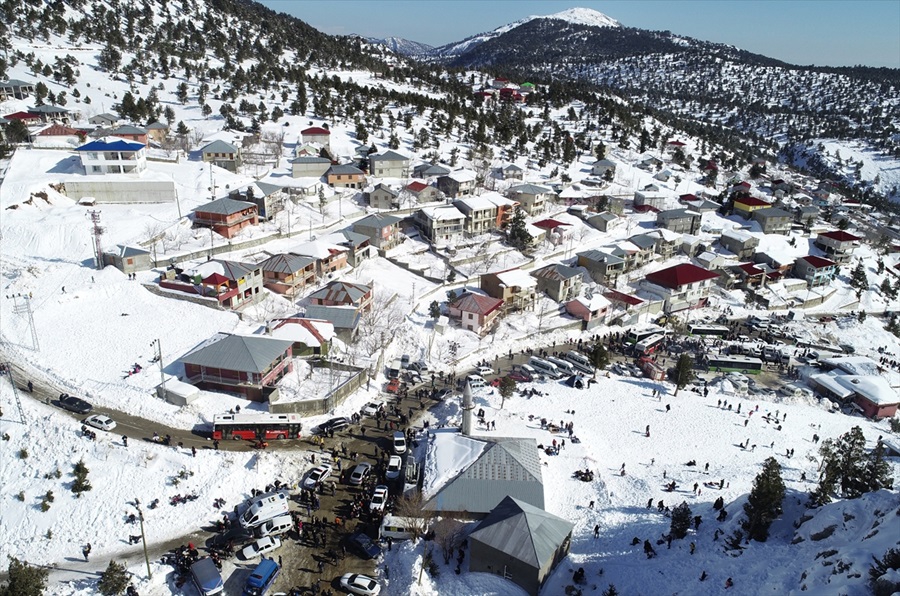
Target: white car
x,y
379,498
371,408
357,583
484,371
317,475
395,464
260,547
399,442
100,421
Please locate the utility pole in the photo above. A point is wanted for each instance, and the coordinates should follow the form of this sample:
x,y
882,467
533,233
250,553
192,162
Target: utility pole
x,y
25,309
162,374
137,505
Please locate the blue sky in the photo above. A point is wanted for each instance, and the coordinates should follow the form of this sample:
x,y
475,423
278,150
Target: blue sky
x,y
821,32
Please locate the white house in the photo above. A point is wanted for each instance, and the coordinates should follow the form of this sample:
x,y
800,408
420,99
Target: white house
x,y
112,155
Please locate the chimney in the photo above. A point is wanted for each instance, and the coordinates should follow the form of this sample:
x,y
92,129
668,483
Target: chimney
x,y
467,407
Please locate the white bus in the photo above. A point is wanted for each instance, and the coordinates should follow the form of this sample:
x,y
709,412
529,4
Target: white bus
x,y
636,335
544,368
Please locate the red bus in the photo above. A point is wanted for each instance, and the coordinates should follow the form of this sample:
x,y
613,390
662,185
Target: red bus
x,y
256,427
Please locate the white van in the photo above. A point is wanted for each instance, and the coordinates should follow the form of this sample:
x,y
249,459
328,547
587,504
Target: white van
x,y
398,528
264,507
275,526
544,368
580,362
525,369
564,366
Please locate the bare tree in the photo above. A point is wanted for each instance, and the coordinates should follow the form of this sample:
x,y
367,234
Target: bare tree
x,y
379,325
274,142
418,518
448,535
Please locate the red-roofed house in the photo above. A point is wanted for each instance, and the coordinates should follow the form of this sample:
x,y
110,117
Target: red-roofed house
x,y
423,193
745,206
682,286
25,117
838,245
557,231
476,312
316,134
815,270
60,134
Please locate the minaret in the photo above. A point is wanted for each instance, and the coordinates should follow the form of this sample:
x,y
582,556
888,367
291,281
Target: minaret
x,y
467,407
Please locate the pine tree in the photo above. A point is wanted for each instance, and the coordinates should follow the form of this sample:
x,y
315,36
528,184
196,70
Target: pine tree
x,y
611,591
114,580
764,503
684,372
858,279
599,356
845,470
24,579
518,235
681,520
877,472
886,289
506,389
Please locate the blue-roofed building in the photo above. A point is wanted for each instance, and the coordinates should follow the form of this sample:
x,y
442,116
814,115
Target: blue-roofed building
x,y
112,155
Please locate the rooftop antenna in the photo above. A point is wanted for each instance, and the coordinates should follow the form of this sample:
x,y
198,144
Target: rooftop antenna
x,y
97,232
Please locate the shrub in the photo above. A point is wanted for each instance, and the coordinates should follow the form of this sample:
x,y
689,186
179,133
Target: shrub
x,y
21,496
23,453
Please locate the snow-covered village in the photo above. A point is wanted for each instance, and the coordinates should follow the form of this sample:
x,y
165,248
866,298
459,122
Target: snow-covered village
x,y
354,322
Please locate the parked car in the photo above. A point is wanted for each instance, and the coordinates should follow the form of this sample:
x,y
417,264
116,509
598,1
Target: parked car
x,y
399,441
484,371
847,348
371,408
360,472
419,366
357,583
317,475
363,546
260,547
519,377
394,466
413,376
235,534
441,394
100,421
404,361
393,386
379,498
335,424
74,404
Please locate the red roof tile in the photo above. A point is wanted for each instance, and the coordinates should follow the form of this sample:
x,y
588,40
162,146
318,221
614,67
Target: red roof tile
x,y
417,186
23,116
680,275
476,303
315,130
752,202
818,262
548,224
840,236
616,296
58,130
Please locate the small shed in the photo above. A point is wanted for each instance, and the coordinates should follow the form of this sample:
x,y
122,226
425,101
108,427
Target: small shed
x,y
128,259
520,542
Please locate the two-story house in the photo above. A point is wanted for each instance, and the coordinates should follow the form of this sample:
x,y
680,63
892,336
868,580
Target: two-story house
x,y
330,257
560,282
682,221
430,170
746,205
815,270
316,134
740,242
389,164
681,286
838,245
514,286
15,89
345,176
226,216
458,183
423,193
288,274
343,293
512,172
603,267
225,155
441,225
667,242
531,197
382,230
230,283
131,133
113,156
602,166
384,197
105,119
268,198
773,220
606,221
475,312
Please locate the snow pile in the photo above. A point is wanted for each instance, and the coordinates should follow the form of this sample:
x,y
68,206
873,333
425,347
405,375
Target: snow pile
x,y
449,453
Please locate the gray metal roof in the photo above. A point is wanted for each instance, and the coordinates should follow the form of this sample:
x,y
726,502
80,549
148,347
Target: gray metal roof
x,y
310,159
377,221
342,317
556,271
286,263
767,212
234,270
219,147
48,110
342,292
353,239
506,467
676,214
127,129
529,189
388,156
643,241
131,251
15,83
600,257
157,125
523,532
267,188
344,169
252,354
224,206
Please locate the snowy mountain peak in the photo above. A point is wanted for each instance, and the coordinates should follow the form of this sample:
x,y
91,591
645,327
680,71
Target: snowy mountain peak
x,y
584,16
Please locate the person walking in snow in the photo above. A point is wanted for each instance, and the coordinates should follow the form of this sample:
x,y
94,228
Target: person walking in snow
x,y
693,547
597,531
647,431
668,408
86,551
648,549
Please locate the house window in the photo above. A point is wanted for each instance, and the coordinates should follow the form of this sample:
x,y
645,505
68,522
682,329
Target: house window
x,y
96,169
